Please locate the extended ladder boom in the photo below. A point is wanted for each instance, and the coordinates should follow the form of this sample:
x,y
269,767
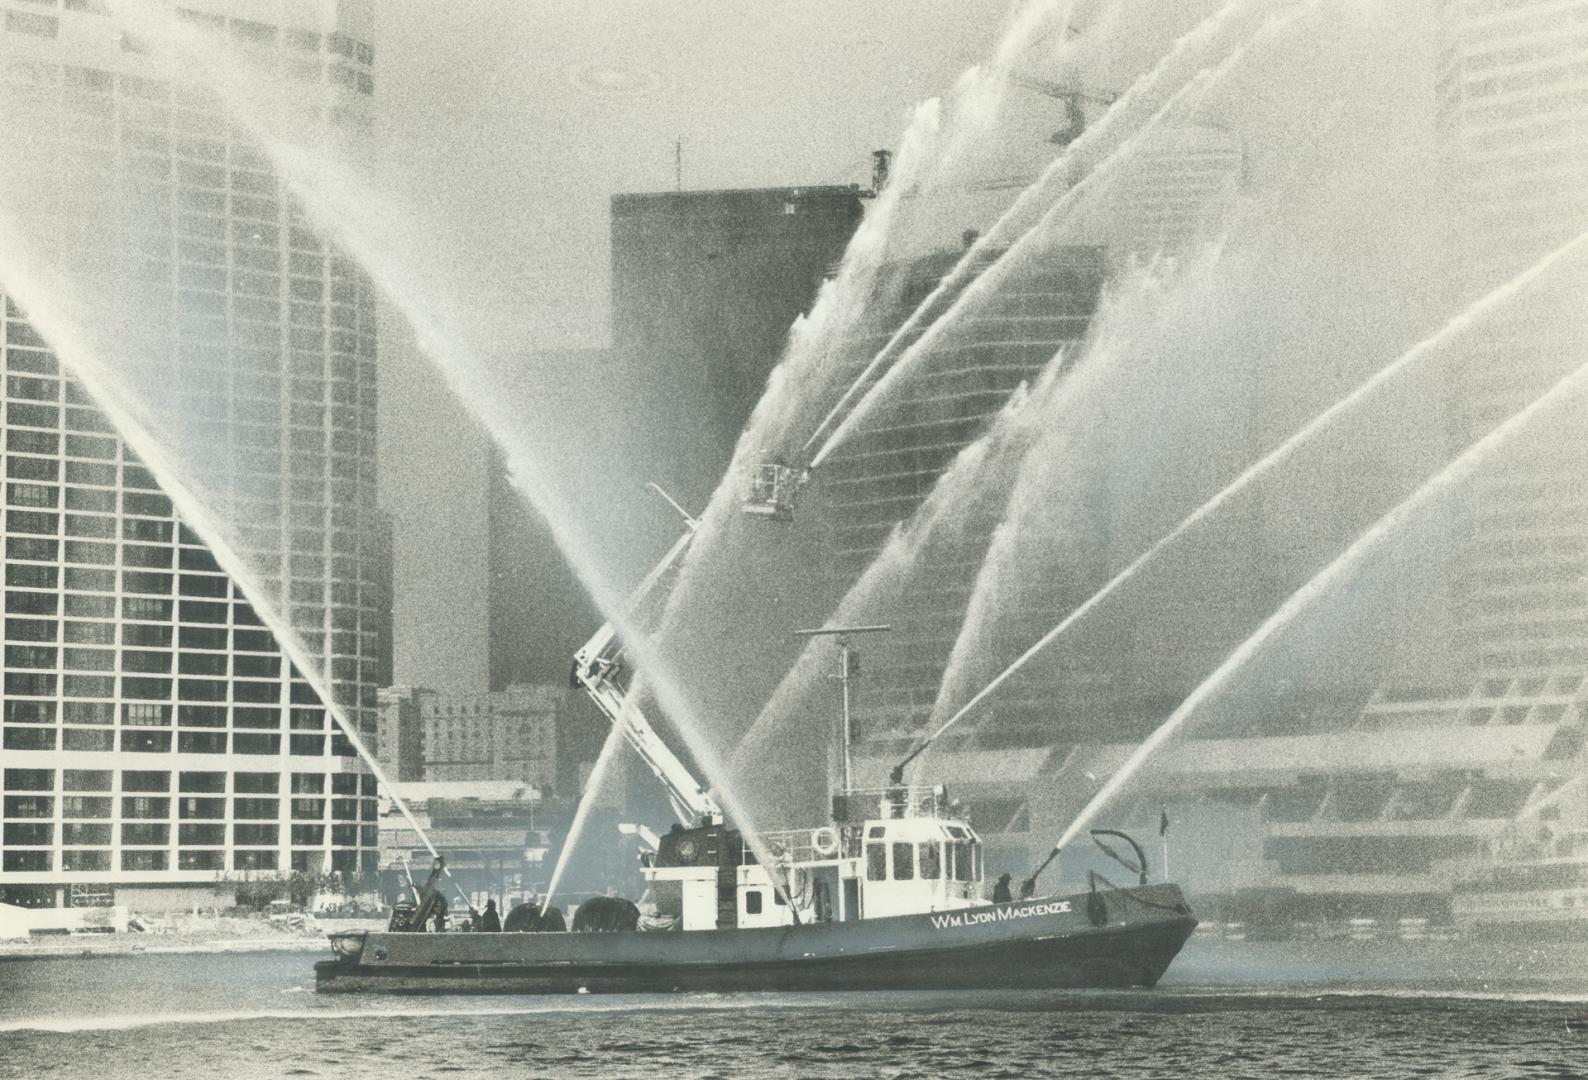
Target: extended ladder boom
x,y
598,667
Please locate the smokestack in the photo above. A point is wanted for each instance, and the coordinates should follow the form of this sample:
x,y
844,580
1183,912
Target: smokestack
x,y
881,162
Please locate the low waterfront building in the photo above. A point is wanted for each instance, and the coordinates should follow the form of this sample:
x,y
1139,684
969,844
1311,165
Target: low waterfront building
x,y
1359,819
508,735
497,837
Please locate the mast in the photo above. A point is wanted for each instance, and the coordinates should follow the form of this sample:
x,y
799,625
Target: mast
x,y
848,668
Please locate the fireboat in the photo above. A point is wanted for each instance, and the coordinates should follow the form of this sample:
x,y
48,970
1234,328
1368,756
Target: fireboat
x,y
887,894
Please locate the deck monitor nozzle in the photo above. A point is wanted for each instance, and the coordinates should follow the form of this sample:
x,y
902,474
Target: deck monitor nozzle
x,y
774,487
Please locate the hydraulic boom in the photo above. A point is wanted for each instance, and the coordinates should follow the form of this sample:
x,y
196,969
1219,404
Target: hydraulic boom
x,y
598,669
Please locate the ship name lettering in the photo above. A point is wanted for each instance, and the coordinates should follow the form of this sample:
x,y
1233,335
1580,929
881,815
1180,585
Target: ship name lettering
x,y
974,918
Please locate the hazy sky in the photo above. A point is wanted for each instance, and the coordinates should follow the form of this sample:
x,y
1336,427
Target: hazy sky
x,y
505,127
513,121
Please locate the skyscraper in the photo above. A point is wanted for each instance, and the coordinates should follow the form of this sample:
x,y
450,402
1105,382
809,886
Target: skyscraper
x,y
155,733
1513,114
705,285
885,471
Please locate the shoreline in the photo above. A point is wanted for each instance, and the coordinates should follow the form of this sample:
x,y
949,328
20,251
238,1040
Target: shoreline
x,y
119,946
1448,960
190,941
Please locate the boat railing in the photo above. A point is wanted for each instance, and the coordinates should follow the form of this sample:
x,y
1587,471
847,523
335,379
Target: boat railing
x,y
799,845
894,801
852,808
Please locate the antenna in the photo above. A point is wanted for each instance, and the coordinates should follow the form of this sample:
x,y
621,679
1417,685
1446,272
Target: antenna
x,y
691,522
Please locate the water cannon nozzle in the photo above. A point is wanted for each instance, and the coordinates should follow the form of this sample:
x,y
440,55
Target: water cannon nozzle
x,y
774,488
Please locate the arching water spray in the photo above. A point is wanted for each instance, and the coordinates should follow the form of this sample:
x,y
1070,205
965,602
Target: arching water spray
x,y
1168,76
1108,368
702,574
930,138
598,773
1108,171
987,284
980,470
373,232
807,362
1328,581
1474,314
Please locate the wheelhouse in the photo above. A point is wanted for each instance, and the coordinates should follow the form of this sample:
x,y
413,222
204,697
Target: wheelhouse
x,y
920,864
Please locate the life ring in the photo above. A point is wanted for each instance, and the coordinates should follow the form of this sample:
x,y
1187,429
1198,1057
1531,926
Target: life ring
x,y
824,841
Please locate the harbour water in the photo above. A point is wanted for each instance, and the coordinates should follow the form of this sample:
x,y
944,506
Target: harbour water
x,y
1225,1010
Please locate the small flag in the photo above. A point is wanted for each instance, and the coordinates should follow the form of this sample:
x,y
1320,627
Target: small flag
x,y
1163,823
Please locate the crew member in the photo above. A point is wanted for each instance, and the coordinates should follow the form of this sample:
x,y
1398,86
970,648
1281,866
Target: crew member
x,y
1001,893
402,913
491,922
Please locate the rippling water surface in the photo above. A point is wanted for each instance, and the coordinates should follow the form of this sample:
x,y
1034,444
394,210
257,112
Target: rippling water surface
x,y
1280,1012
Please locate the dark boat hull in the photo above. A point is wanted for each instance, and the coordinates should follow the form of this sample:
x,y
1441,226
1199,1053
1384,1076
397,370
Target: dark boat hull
x,y
1045,943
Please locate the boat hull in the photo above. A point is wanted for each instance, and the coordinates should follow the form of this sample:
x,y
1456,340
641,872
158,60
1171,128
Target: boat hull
x,y
1034,944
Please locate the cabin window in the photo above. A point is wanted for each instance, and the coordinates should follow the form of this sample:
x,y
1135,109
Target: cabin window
x,y
752,902
904,862
964,861
931,861
876,862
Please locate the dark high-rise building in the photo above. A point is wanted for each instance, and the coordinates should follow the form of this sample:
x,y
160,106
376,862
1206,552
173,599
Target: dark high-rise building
x,y
537,613
705,285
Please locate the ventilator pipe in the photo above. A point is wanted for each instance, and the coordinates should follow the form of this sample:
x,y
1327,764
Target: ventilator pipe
x,y
1140,869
